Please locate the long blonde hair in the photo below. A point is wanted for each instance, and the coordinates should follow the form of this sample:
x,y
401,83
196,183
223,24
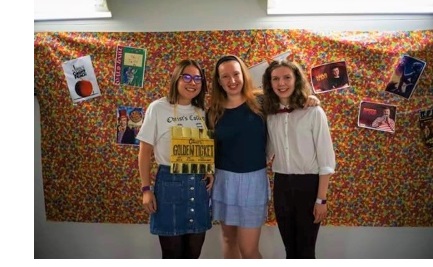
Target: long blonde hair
x,y
219,96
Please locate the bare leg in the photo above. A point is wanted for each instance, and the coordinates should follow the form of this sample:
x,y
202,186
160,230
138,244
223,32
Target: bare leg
x,y
230,242
248,240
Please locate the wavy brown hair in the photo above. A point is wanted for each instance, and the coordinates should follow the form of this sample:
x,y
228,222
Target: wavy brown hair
x,y
271,102
219,96
173,94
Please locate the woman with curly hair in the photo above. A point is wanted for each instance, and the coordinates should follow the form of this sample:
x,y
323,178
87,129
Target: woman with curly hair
x,y
303,157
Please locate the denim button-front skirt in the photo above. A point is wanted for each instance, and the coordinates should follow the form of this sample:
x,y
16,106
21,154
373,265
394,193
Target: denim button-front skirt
x,y
182,204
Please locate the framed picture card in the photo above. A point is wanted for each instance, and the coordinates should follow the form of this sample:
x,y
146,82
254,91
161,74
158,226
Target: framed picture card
x,y
406,76
377,116
329,77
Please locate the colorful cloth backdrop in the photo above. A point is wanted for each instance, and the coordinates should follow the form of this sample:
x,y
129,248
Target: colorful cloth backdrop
x,y
381,179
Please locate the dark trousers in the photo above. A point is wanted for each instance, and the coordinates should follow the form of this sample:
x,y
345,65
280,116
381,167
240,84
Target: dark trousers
x,y
294,200
186,246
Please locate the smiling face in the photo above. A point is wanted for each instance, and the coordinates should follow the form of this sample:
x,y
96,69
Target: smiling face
x,y
230,77
135,116
283,83
188,90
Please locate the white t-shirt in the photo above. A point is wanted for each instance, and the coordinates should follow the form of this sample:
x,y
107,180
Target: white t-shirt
x,y
158,120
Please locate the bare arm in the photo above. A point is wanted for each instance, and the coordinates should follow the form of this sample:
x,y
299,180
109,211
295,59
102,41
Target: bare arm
x,y
144,166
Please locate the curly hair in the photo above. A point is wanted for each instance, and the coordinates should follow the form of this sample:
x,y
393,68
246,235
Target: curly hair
x,y
271,102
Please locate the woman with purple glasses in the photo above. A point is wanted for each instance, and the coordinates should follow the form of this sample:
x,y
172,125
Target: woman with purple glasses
x,y
179,203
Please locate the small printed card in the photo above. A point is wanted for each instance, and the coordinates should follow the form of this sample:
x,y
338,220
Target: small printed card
x,y
81,79
426,125
377,116
405,77
129,121
129,66
328,77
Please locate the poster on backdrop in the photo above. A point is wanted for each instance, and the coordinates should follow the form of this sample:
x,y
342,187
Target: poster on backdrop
x,y
257,70
426,125
377,116
129,66
329,77
405,76
129,121
81,79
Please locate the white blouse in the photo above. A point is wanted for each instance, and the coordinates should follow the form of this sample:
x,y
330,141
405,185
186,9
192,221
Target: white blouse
x,y
301,142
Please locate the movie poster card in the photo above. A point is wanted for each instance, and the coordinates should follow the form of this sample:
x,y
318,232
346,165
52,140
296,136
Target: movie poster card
x,y
129,121
81,79
405,76
329,77
377,116
129,66
426,125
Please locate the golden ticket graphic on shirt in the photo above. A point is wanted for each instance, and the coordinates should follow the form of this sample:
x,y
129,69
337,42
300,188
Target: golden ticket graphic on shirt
x,y
192,150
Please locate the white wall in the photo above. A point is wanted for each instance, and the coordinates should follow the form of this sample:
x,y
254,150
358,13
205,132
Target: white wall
x,y
191,15
87,240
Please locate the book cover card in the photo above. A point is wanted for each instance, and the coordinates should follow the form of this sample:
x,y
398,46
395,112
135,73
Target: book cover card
x,y
129,66
81,79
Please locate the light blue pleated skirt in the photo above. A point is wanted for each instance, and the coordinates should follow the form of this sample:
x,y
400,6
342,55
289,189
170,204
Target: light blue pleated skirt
x,y
240,199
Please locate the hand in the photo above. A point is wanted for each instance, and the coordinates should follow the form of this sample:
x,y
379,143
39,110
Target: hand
x,y
210,179
312,101
384,120
149,202
320,212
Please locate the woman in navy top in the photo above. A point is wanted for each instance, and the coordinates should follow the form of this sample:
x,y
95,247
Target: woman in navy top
x,y
240,192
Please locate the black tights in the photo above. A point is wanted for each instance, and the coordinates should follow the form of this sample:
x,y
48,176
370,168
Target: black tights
x,y
186,246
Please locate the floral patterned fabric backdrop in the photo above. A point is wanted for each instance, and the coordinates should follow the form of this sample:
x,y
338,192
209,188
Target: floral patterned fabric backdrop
x,y
381,179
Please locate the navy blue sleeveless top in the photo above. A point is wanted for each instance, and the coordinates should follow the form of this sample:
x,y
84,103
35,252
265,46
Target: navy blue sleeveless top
x,y
240,141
